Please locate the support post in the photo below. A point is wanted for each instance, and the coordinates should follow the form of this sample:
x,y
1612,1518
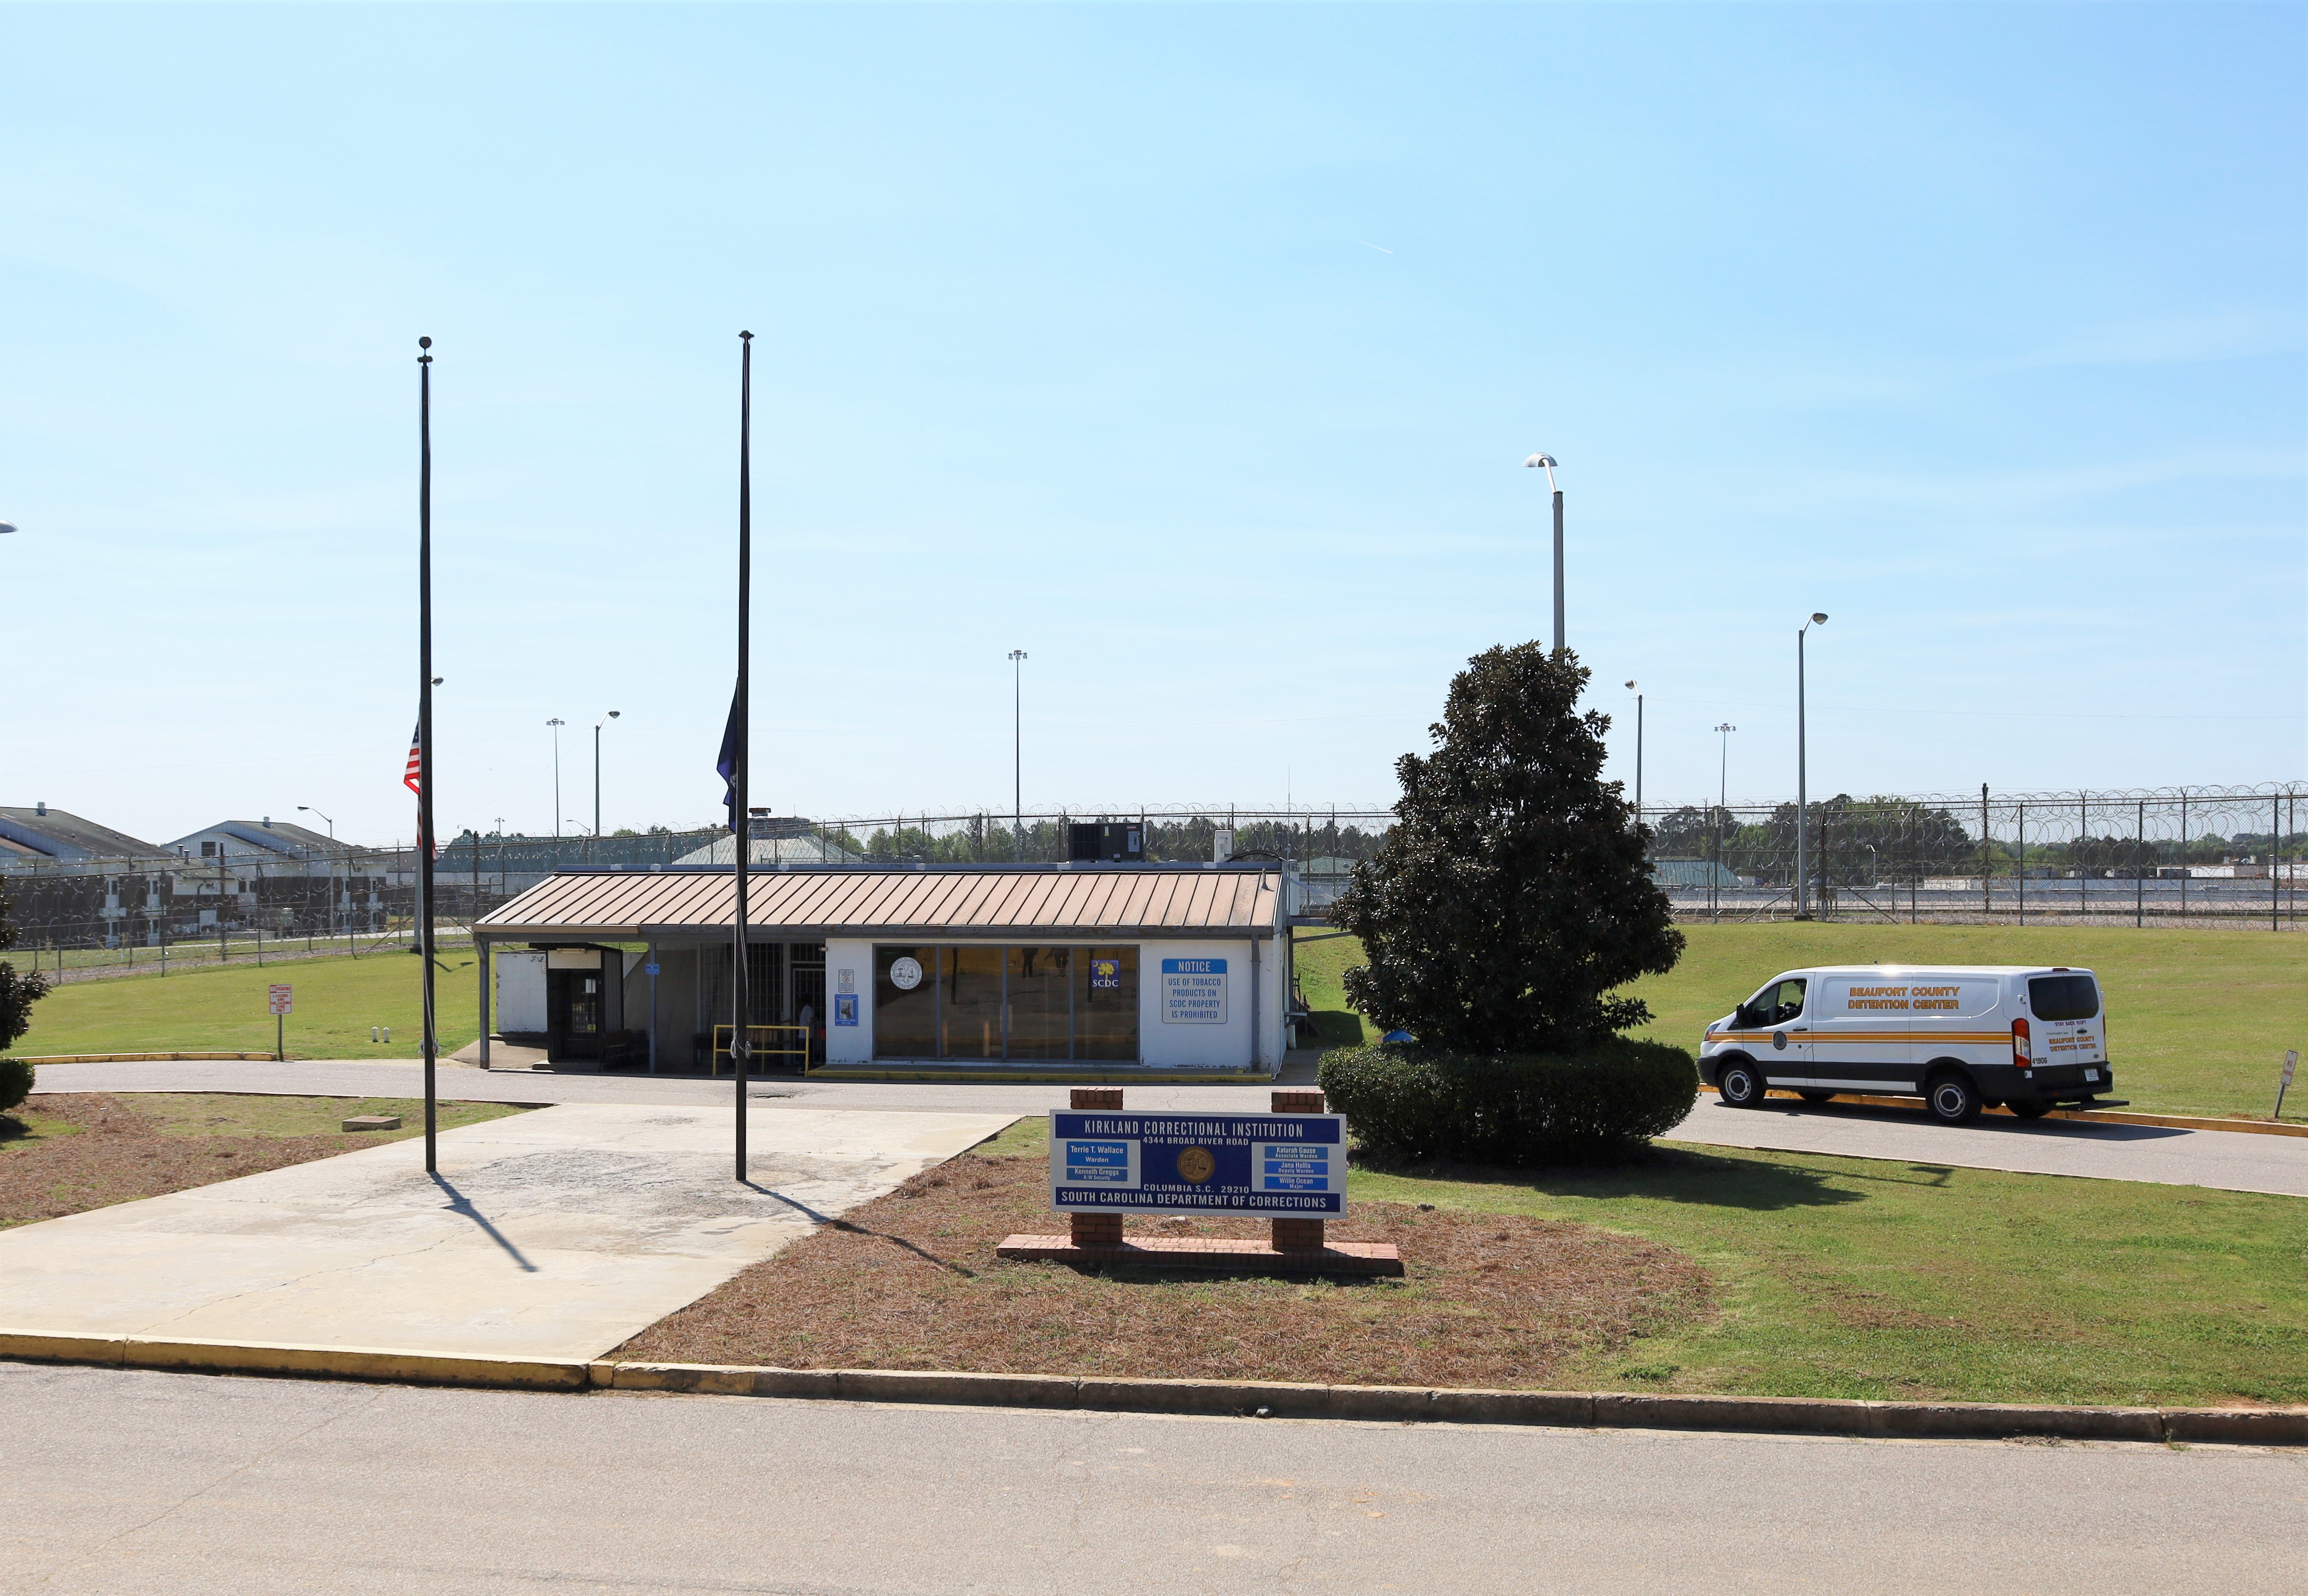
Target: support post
x,y
1297,1235
481,963
1095,1229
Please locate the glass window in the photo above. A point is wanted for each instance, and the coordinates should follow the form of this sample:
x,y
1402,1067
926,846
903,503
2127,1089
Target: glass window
x,y
1106,1003
2063,997
969,1003
1775,1004
904,1002
1040,1002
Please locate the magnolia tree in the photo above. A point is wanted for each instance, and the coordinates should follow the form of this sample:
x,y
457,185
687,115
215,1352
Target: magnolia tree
x,y
19,990
1511,898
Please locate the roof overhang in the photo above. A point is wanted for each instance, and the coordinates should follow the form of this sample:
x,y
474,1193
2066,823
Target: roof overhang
x,y
974,904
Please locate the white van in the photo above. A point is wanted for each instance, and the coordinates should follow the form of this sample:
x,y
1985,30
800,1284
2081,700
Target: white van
x,y
1960,1037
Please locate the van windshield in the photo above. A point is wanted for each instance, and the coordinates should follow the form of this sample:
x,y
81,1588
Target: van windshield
x,y
2063,997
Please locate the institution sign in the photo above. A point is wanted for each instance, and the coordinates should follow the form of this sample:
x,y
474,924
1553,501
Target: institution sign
x,y
1193,991
1279,1165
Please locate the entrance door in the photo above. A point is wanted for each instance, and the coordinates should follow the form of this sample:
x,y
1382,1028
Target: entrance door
x,y
573,1011
805,973
1784,1052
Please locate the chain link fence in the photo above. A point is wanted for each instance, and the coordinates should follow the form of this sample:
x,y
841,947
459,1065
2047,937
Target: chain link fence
x,y
2212,855
2196,855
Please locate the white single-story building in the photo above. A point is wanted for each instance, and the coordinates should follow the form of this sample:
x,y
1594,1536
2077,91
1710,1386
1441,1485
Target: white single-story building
x,y
1043,970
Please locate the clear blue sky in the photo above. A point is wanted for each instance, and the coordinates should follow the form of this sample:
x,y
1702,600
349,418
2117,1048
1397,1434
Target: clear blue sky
x,y
1193,350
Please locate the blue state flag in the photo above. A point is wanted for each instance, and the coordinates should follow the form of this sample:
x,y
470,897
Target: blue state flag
x,y
727,767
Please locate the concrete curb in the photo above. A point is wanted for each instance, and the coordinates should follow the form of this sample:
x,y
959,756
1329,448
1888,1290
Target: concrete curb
x,y
265,1357
2182,1122
1391,1405
152,1058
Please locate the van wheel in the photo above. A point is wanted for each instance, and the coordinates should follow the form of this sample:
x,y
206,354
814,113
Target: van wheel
x,y
2029,1110
1740,1086
1816,1096
1953,1100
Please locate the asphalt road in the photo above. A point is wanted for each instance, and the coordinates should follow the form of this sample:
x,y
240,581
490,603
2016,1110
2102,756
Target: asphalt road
x,y
125,1483
2226,1159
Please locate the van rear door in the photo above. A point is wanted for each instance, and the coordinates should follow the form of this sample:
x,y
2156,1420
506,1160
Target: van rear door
x,y
2070,1027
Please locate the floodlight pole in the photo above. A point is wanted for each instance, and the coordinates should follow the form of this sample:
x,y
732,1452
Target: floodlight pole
x,y
596,781
741,1038
1722,808
1018,748
1803,807
431,1046
1546,462
1639,754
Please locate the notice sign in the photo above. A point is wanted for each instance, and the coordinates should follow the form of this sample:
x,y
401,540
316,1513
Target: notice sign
x,y
845,1008
278,999
1279,1165
1193,991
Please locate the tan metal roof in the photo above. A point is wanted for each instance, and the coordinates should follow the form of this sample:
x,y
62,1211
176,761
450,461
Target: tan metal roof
x,y
901,901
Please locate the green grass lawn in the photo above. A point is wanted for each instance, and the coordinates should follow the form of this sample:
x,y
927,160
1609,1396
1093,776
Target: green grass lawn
x,y
1880,1278
222,1010
2197,1021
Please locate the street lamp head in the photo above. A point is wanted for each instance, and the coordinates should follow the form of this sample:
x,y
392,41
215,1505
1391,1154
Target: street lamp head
x,y
1630,687
424,343
1817,619
1546,461
556,722
7,526
612,715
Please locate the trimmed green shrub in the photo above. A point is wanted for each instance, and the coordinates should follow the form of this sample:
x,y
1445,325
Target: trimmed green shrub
x,y
15,1082
1518,1109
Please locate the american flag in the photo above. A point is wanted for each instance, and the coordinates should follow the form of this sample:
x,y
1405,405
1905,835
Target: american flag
x,y
412,778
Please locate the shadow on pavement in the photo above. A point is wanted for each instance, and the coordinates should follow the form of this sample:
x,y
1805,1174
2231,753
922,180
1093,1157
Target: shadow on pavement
x,y
460,1203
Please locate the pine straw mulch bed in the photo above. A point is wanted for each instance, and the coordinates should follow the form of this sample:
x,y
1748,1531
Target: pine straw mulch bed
x,y
910,1282
121,1154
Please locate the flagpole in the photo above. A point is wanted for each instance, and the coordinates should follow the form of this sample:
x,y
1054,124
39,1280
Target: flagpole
x,y
424,726
741,1037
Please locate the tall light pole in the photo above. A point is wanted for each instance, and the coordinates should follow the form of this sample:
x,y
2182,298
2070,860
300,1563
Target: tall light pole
x,y
1018,748
309,809
1802,796
1546,462
1722,807
597,771
556,724
1638,753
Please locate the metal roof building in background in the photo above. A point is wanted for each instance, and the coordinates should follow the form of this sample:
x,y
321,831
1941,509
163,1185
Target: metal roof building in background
x,y
1050,972
39,832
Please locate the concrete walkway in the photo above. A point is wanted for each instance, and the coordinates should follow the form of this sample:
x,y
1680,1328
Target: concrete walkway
x,y
2218,1159
557,1234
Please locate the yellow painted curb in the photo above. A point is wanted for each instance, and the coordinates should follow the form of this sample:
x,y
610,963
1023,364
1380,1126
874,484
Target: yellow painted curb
x,y
264,1357
2183,1122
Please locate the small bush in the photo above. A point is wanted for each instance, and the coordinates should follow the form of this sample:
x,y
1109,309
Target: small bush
x,y
1517,1109
15,1082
